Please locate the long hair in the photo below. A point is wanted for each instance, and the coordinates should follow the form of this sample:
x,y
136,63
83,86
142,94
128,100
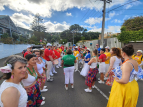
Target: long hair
x,y
117,52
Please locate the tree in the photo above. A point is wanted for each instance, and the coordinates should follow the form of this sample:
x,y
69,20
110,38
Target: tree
x,y
37,24
131,30
133,24
15,36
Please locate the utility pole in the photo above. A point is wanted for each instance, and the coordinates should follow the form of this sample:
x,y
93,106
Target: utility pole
x,y
103,22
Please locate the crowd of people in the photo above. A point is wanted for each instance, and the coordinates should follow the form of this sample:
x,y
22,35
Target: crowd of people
x,y
118,67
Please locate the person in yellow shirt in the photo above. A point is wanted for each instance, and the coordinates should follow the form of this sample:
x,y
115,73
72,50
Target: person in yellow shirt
x,y
107,61
76,54
138,57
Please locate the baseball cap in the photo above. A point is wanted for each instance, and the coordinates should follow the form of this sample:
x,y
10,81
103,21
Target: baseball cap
x,y
74,45
107,47
140,51
48,44
29,46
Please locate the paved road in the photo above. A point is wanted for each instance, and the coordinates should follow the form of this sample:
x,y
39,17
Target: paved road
x,y
57,96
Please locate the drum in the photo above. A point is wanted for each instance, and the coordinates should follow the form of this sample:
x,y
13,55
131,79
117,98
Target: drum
x,y
56,62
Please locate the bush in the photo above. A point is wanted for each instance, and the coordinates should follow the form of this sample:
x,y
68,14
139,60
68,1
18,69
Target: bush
x,y
127,36
7,40
5,35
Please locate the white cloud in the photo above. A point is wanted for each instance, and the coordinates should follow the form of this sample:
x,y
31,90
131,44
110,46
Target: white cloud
x,y
95,29
128,6
93,21
56,27
46,7
133,4
68,14
113,29
117,21
22,20
112,14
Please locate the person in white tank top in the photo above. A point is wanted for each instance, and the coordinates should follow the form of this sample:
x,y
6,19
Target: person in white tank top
x,y
30,83
91,76
12,94
115,61
40,67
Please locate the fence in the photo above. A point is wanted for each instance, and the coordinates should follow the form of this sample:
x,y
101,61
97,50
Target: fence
x,y
111,42
10,49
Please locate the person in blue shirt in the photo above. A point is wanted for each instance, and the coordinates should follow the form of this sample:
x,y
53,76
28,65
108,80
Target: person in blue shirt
x,y
98,48
85,69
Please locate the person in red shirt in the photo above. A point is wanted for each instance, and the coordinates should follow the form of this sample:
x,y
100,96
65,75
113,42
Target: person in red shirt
x,y
58,54
62,47
79,48
102,70
29,49
53,65
49,61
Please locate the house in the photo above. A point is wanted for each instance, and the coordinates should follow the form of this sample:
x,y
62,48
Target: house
x,y
108,35
7,25
25,32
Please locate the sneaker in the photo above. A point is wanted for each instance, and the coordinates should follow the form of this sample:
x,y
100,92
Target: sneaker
x,y
45,87
55,72
66,87
101,82
43,102
60,66
44,90
88,90
72,86
43,98
57,67
49,80
98,78
105,78
51,74
93,86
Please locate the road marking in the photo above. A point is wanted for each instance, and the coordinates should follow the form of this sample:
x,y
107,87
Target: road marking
x,y
101,92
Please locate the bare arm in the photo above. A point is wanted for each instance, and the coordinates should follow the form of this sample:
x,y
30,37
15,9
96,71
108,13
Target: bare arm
x,y
107,58
10,97
35,68
126,70
112,60
91,61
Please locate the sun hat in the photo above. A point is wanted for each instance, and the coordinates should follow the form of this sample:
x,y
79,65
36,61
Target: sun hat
x,y
107,47
29,46
140,51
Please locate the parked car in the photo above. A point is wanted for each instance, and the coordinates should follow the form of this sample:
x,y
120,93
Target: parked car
x,y
33,47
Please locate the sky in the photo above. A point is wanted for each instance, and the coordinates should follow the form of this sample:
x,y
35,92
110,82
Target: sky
x,y
59,15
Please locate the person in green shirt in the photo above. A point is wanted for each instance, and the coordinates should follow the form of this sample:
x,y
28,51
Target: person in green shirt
x,y
68,65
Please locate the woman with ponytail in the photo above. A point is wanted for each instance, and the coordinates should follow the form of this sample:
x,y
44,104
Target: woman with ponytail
x,y
115,61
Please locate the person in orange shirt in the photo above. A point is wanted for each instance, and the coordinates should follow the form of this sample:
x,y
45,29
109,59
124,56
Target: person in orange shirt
x,y
76,54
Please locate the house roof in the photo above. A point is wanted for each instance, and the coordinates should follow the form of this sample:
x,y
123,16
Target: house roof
x,y
3,16
24,29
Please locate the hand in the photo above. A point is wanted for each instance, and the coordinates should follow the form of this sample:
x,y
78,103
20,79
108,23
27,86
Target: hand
x,y
116,78
106,75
